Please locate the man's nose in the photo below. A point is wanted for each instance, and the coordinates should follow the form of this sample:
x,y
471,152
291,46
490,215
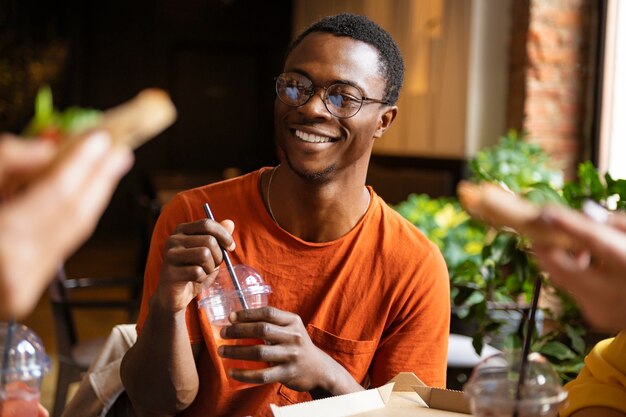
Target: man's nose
x,y
315,106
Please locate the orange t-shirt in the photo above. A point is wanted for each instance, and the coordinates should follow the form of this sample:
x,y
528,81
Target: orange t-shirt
x,y
376,299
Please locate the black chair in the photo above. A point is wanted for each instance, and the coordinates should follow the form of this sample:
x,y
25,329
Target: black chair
x,y
75,355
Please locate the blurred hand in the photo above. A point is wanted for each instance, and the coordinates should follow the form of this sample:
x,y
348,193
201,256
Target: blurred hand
x,y
42,412
192,255
44,222
595,276
294,360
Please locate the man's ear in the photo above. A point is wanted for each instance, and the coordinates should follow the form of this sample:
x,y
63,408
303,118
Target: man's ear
x,y
385,121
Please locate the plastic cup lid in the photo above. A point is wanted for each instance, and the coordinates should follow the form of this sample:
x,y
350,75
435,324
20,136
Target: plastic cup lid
x,y
250,282
496,377
26,357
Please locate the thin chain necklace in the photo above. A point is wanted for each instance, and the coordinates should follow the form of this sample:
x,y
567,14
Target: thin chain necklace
x,y
269,204
269,185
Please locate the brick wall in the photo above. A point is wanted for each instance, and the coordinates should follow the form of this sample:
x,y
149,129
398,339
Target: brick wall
x,y
548,87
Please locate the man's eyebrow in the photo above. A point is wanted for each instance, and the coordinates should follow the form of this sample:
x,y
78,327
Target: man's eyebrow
x,y
349,82
336,81
297,71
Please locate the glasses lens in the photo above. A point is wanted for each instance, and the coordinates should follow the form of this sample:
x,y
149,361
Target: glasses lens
x,y
293,89
343,100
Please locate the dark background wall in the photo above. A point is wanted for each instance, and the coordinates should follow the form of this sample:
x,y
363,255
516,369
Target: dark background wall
x,y
217,58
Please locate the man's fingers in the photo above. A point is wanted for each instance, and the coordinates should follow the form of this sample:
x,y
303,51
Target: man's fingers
x,y
258,376
194,249
198,256
264,314
229,225
210,227
261,330
258,353
191,273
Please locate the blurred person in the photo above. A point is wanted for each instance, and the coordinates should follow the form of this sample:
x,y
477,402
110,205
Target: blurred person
x,y
359,294
44,222
596,278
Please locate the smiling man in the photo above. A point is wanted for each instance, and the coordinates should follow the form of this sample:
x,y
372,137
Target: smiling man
x,y
359,294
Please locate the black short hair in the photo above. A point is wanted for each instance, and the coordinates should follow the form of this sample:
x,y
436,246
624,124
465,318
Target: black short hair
x,y
363,29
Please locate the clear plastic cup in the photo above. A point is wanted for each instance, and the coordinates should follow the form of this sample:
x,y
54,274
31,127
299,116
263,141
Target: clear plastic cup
x,y
221,298
492,387
22,368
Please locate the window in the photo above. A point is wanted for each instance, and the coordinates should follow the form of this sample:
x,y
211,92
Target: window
x,y
612,156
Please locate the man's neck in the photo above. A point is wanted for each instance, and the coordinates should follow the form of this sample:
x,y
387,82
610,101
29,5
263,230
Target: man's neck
x,y
313,212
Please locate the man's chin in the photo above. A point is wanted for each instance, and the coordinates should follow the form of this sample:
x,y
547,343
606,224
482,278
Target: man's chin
x,y
316,176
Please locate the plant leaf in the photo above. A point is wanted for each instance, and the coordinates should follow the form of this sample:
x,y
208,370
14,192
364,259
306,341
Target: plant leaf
x,y
574,334
557,350
477,342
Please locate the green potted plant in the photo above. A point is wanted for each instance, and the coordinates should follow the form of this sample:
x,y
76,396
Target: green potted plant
x,y
492,271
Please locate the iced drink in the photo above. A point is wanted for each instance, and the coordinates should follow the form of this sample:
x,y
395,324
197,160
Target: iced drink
x,y
21,372
19,400
221,298
492,388
235,363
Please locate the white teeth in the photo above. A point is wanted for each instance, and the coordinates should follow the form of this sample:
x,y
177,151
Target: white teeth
x,y
309,137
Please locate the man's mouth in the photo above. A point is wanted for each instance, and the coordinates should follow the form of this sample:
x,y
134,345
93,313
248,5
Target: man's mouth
x,y
312,138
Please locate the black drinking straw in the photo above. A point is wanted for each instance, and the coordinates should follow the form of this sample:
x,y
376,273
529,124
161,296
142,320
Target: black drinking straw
x,y
229,265
7,347
530,329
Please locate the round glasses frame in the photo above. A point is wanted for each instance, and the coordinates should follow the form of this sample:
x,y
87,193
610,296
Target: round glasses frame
x,y
330,107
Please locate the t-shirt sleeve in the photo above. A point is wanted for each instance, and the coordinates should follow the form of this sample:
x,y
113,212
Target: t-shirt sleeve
x,y
418,339
172,215
602,382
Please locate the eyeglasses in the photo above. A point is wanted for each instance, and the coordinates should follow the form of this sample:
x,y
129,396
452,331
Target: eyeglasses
x,y
341,100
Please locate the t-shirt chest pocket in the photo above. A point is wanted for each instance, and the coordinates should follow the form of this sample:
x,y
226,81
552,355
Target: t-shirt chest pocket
x,y
354,355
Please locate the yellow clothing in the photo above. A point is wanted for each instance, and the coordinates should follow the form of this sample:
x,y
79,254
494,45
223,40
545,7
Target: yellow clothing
x,y
602,382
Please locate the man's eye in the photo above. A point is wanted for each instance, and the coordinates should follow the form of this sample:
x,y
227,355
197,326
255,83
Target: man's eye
x,y
292,92
343,100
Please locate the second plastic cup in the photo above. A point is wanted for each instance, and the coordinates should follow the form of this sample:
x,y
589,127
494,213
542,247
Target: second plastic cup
x,y
23,366
492,388
221,298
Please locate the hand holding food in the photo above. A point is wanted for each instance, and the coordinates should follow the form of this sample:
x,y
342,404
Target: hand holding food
x,y
596,280
500,208
583,253
129,124
51,204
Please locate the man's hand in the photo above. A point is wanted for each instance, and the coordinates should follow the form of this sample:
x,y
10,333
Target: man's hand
x,y
192,255
294,360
